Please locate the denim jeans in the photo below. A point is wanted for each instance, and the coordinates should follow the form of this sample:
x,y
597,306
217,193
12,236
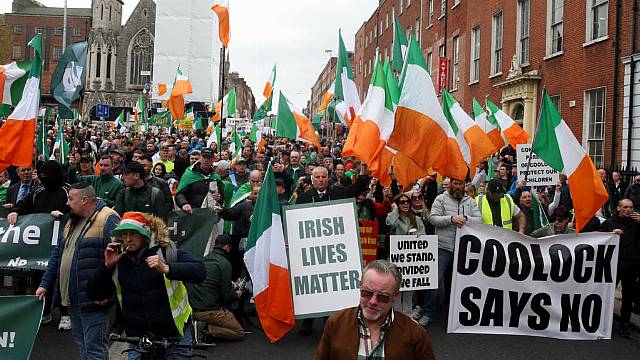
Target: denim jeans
x,y
431,297
172,353
90,330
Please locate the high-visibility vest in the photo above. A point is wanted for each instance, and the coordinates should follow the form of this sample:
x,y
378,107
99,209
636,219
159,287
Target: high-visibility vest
x,y
177,294
506,210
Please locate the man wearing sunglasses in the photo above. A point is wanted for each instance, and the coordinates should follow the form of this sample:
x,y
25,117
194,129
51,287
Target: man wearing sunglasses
x,y
373,330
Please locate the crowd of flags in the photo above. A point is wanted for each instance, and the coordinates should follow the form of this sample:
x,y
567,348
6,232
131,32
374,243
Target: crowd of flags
x,y
400,124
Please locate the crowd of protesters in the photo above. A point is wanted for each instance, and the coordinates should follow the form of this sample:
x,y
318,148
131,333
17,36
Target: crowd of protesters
x,y
158,172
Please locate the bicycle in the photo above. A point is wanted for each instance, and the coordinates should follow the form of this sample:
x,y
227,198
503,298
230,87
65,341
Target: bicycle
x,y
151,349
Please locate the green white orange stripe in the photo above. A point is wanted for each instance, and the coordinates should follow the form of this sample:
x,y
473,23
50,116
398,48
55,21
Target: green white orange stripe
x,y
229,108
346,91
268,87
474,144
181,86
17,132
221,8
510,129
419,120
12,80
292,124
400,45
266,260
491,129
558,147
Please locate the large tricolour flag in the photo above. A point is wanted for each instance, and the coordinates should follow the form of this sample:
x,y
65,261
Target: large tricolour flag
x,y
266,260
17,133
221,8
292,124
474,144
346,91
486,124
421,131
558,147
12,81
510,129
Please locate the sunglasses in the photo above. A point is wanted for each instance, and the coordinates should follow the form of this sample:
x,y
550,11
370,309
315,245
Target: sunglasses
x,y
368,294
416,198
403,202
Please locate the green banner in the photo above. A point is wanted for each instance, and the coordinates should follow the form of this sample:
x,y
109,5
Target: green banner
x,y
19,323
191,232
28,243
161,119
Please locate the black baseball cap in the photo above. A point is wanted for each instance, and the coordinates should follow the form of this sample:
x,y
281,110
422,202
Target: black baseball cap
x,y
207,152
495,186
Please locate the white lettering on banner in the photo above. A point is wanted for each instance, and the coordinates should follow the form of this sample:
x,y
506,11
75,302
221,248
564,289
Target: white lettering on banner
x,y
17,262
417,260
539,173
7,339
30,235
507,283
324,257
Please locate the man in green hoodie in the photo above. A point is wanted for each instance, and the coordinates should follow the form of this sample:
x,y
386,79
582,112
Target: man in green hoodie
x,y
106,185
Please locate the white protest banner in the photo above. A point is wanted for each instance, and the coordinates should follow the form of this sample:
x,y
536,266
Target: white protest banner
x,y
539,174
324,257
507,283
417,260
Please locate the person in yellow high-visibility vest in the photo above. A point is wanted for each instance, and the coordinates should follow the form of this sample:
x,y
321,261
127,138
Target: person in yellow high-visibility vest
x,y
499,209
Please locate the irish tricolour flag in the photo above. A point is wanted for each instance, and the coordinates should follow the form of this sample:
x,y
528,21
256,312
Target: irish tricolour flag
x,y
346,91
510,129
225,108
266,261
17,133
12,81
558,147
490,128
268,87
292,124
419,120
474,144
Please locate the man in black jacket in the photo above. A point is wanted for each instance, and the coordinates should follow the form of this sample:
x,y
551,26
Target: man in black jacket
x,y
138,195
626,224
152,180
323,192
196,183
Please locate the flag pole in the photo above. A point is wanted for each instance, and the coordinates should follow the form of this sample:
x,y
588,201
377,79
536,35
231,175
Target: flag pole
x,y
222,83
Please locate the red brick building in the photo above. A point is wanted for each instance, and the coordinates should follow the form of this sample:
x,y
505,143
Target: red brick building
x,y
510,51
29,18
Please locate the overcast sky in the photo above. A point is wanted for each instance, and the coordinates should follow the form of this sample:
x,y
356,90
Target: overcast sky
x,y
292,33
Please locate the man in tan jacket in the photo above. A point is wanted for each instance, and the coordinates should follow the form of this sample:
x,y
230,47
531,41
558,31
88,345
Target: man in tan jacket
x,y
373,330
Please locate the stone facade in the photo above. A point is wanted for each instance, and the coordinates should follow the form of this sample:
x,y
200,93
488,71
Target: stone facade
x,y
120,56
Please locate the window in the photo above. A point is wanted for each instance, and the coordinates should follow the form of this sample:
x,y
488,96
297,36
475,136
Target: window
x,y
555,99
522,30
77,31
109,63
597,19
375,30
429,61
101,12
408,3
430,12
409,32
17,29
98,61
400,7
370,67
39,30
454,69
594,124
443,7
417,28
58,31
555,10
57,52
386,54
17,52
381,28
386,26
474,70
496,44
141,57
441,51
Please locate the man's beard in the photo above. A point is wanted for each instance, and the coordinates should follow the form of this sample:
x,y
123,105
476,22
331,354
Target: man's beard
x,y
457,194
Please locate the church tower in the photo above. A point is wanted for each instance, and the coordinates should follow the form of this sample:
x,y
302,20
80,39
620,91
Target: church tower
x,y
106,24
